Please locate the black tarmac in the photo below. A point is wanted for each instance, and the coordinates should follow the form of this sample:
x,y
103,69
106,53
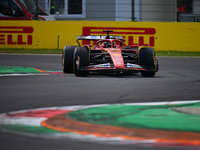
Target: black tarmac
x,y
177,80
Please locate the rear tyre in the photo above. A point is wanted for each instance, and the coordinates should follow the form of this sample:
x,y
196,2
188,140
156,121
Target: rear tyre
x,y
81,60
67,59
147,58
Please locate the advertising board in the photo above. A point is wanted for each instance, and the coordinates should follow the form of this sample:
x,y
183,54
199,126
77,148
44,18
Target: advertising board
x,y
56,34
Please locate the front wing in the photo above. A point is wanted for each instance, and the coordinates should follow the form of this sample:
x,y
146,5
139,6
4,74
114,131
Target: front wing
x,y
110,67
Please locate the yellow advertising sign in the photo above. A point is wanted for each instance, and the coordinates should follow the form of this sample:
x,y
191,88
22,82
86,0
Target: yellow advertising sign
x,y
56,34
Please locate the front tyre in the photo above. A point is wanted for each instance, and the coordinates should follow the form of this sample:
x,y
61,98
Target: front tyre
x,y
81,60
147,59
67,59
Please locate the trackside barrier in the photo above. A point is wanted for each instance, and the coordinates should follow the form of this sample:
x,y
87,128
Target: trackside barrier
x,y
56,34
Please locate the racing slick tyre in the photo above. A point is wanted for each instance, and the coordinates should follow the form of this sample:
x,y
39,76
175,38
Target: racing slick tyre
x,y
67,59
81,60
147,58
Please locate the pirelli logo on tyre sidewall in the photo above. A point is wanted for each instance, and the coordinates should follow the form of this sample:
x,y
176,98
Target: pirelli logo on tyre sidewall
x,y
132,36
15,35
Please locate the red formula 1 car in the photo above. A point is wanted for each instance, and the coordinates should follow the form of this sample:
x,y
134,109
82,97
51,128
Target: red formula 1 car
x,y
108,54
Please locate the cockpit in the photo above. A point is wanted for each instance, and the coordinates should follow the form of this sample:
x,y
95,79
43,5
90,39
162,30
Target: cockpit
x,y
109,43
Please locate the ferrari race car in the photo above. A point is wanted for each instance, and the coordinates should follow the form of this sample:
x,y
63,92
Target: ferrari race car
x,y
108,54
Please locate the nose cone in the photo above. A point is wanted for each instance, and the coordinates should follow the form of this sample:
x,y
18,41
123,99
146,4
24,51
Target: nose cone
x,y
117,58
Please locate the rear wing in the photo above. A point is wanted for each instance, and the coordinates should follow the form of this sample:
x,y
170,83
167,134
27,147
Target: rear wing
x,y
90,37
96,38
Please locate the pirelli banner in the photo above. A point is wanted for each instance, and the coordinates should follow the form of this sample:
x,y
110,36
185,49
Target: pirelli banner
x,y
56,34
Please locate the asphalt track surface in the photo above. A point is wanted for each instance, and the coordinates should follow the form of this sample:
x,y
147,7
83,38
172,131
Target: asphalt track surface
x,y
177,80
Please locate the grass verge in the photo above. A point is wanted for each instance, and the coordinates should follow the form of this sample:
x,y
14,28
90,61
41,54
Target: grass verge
x,y
177,53
32,51
59,51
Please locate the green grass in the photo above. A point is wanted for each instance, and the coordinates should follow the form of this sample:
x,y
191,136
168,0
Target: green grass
x,y
32,51
177,53
59,51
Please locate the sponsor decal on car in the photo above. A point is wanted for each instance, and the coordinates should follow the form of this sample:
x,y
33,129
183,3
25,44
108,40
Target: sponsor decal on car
x,y
115,51
129,65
